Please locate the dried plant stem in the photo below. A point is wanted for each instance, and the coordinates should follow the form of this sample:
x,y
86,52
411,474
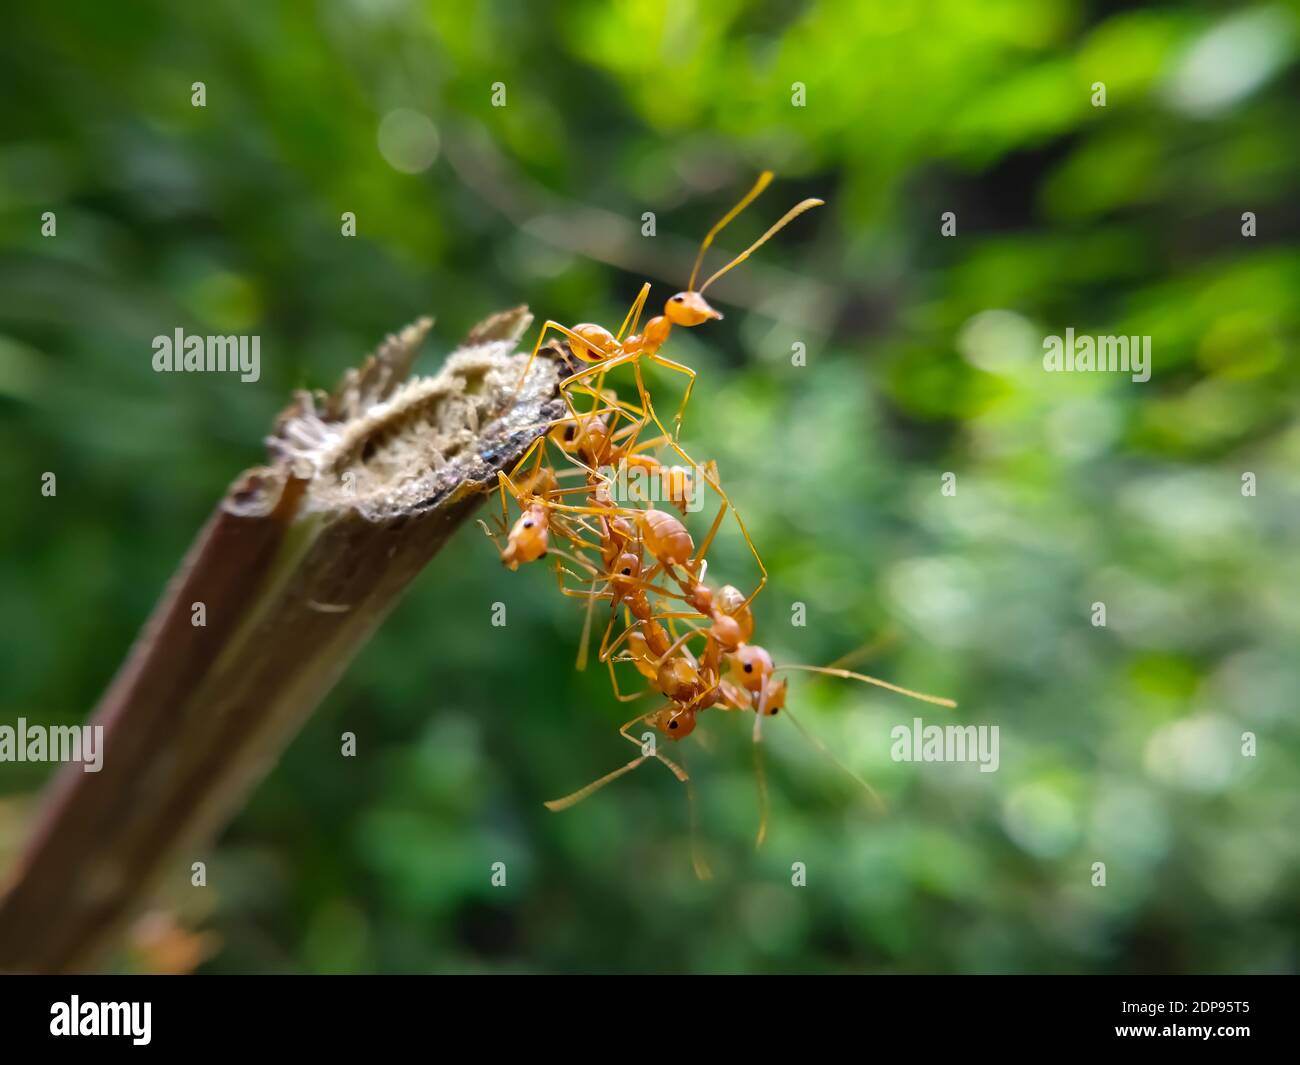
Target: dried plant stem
x,y
295,569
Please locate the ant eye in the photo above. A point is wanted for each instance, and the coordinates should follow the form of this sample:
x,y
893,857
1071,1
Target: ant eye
x,y
627,571
678,299
569,433
672,724
528,524
749,667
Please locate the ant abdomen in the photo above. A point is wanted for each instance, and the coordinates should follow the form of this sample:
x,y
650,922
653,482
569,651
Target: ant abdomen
x,y
679,680
726,631
731,600
666,537
597,338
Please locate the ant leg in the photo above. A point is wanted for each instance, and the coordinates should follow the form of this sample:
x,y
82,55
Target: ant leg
x,y
601,367
582,468
573,508
690,384
634,315
562,571
648,445
582,563
673,767
603,400
583,525
681,643
711,479
577,489
608,652
875,798
613,679
575,385
707,542
629,439
555,805
698,862
538,446
503,479
682,583
606,649
490,535
635,415
504,482
546,326
585,639
760,778
644,396
667,593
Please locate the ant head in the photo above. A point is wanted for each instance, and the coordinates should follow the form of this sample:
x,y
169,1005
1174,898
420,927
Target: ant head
x,y
675,722
627,568
772,698
753,665
565,434
587,435
529,537
689,308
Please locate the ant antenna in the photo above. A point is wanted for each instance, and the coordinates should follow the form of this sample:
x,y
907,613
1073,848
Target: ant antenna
x,y
764,179
790,215
875,798
847,674
760,778
698,861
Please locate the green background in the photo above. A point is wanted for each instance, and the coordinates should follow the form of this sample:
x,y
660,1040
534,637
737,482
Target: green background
x,y
1119,744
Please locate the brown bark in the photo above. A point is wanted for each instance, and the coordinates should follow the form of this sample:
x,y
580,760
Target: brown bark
x,y
295,569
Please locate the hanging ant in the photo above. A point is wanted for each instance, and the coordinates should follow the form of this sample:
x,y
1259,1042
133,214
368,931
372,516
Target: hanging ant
x,y
695,684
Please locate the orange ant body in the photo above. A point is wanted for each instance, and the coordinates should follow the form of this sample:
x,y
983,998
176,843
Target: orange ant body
x,y
529,538
637,556
605,351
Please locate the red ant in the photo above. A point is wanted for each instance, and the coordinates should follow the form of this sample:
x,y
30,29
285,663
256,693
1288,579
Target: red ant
x,y
694,684
596,345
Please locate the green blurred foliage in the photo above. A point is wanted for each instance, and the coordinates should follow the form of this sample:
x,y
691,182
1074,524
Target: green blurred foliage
x,y
1119,744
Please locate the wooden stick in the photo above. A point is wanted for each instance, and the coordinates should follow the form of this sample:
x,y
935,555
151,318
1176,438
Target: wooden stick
x,y
295,569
